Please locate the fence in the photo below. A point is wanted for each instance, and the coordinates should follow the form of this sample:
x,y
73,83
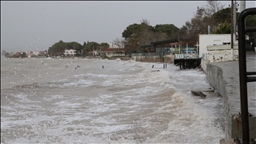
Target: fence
x,y
161,54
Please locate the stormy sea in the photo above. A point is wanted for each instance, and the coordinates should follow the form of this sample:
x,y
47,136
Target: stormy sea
x,y
105,101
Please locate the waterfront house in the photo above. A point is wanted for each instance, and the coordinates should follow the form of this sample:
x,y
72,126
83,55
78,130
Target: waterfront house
x,y
41,53
29,53
146,48
35,53
115,52
11,54
162,51
172,45
70,52
17,54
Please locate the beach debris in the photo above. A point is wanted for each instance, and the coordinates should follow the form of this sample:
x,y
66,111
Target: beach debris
x,y
203,91
198,93
102,66
152,66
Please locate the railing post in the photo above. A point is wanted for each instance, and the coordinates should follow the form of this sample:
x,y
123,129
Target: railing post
x,y
243,73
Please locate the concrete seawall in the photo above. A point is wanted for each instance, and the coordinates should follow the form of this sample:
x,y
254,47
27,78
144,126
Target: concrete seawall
x,y
224,78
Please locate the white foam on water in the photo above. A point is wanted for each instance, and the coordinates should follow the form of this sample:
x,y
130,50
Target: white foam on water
x,y
22,97
52,97
190,123
82,83
126,102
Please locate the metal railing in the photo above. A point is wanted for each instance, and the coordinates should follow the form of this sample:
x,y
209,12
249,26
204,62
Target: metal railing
x,y
151,54
243,74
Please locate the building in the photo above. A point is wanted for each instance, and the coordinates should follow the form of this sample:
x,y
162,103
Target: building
x,y
29,53
17,54
115,52
217,47
172,45
35,53
70,52
215,42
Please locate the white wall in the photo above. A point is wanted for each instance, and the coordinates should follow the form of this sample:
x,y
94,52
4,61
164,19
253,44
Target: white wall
x,y
210,39
70,52
111,54
221,56
112,45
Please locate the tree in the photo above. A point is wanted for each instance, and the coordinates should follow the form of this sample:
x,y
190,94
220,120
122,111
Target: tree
x,y
193,27
104,46
145,21
23,55
130,30
222,16
118,42
201,20
136,35
59,47
212,7
251,21
223,21
169,29
84,45
130,35
184,32
146,35
224,28
91,46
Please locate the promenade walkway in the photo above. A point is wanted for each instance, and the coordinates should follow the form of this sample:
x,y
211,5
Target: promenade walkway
x,y
224,77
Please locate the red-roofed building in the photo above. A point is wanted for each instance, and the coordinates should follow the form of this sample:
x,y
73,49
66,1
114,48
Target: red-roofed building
x,y
17,54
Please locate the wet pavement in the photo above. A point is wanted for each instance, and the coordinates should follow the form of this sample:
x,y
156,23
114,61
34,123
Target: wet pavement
x,y
224,77
231,76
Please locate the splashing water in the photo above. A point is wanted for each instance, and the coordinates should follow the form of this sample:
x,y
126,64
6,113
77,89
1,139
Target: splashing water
x,y
126,102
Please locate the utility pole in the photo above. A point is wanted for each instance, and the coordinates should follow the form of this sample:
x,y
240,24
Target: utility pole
x,y
233,26
242,5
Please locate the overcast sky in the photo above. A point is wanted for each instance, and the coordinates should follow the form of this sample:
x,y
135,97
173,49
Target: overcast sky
x,y
35,26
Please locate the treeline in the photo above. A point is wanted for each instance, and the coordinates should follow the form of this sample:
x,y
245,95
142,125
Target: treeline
x,y
58,48
134,36
213,14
